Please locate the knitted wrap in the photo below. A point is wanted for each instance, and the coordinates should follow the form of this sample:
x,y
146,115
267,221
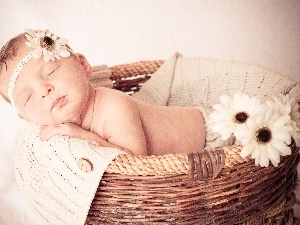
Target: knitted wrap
x,y
49,175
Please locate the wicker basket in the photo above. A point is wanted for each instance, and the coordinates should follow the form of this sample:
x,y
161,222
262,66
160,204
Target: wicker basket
x,y
207,187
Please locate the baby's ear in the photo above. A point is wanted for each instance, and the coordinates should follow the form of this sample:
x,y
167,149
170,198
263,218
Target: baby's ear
x,y
85,64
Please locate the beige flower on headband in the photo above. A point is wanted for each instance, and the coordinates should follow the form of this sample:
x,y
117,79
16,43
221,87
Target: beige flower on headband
x,y
47,44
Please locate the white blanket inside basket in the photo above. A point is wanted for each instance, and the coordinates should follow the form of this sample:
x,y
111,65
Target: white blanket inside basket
x,y
195,81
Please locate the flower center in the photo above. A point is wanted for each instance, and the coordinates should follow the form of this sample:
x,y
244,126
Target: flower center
x,y
241,117
47,43
263,135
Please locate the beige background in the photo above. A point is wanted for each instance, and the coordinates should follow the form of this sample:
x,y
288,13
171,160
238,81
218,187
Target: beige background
x,y
262,32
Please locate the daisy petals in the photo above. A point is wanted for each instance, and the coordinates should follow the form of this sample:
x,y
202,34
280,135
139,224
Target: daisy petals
x,y
264,129
52,50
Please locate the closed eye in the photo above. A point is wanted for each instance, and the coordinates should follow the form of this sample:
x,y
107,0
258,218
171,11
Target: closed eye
x,y
48,74
27,99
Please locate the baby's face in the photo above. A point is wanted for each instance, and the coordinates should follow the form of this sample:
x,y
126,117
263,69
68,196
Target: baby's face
x,y
48,93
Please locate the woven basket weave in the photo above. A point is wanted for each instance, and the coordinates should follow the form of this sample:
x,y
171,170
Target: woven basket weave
x,y
206,187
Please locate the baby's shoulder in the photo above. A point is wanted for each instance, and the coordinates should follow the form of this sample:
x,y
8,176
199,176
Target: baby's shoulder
x,y
111,98
104,93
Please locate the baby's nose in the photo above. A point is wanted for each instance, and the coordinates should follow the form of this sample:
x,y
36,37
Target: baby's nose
x,y
46,90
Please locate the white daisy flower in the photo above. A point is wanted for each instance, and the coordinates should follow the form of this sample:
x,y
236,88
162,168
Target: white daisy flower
x,y
266,137
295,123
294,113
280,105
232,113
47,44
285,105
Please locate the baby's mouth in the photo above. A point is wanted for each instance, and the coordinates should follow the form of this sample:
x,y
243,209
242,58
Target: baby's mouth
x,y
59,102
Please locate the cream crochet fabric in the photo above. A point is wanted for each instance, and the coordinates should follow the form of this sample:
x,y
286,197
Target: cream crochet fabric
x,y
196,81
49,175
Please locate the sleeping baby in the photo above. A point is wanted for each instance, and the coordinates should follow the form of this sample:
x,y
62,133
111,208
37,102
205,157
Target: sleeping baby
x,y
49,85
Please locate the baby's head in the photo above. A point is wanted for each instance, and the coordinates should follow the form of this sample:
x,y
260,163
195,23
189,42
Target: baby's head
x,y
31,44
36,69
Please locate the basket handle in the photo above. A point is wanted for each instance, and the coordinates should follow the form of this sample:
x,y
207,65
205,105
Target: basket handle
x,y
206,164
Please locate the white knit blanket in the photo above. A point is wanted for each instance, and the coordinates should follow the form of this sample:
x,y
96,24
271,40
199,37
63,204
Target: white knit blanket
x,y
195,81
51,180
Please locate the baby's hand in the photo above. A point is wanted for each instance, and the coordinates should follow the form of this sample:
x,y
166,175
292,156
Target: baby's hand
x,y
73,130
66,129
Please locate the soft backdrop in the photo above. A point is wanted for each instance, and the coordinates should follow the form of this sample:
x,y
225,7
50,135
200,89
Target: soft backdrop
x,y
262,32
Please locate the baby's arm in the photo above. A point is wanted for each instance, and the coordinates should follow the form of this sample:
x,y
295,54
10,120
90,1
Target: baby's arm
x,y
122,124
75,131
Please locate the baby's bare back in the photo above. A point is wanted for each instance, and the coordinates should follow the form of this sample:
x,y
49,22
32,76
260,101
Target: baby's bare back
x,y
142,128
172,129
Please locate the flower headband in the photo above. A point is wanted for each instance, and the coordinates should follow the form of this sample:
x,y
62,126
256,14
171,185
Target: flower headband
x,y
44,43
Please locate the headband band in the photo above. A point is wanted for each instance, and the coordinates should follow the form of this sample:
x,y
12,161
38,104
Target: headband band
x,y
44,43
15,75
